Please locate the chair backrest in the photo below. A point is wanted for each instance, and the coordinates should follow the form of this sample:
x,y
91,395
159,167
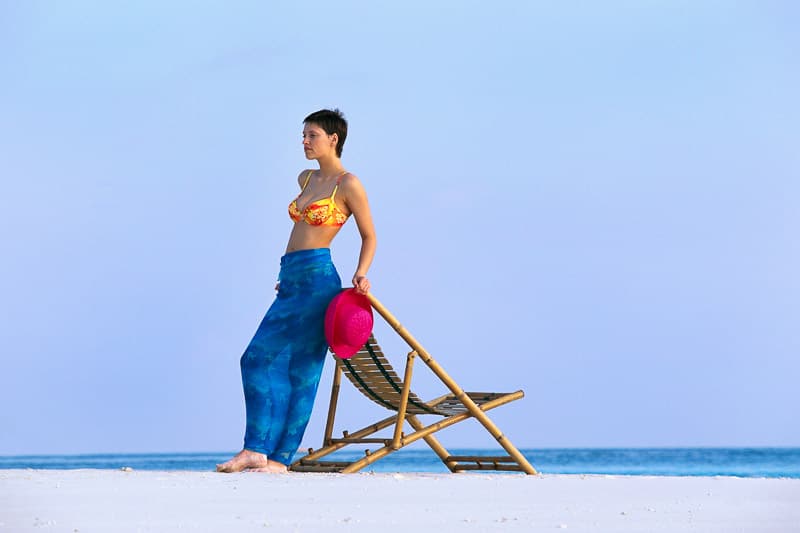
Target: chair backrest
x,y
371,373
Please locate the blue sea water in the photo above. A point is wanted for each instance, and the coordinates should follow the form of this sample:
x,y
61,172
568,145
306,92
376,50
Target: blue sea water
x,y
742,462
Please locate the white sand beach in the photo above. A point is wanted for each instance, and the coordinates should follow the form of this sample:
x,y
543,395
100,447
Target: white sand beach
x,y
119,501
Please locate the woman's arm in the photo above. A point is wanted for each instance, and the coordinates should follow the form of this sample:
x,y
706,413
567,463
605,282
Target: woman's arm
x,y
356,201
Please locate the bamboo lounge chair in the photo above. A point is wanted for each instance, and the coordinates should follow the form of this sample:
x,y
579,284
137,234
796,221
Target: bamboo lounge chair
x,y
374,377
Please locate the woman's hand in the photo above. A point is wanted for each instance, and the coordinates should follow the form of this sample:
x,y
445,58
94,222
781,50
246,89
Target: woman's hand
x,y
361,284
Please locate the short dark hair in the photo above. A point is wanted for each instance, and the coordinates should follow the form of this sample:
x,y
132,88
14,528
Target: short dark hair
x,y
332,121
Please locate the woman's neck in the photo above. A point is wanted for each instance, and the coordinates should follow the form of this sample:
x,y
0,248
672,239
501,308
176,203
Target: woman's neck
x,y
331,166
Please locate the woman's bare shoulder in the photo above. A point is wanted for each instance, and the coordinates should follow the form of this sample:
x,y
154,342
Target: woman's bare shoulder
x,y
350,181
301,178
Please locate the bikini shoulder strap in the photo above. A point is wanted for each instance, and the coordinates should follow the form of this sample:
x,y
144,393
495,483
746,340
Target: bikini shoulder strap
x,y
308,177
338,181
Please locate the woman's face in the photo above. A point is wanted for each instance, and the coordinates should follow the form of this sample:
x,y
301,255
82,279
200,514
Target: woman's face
x,y
317,143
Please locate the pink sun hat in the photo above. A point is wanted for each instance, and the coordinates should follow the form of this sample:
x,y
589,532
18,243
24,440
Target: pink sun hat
x,y
348,323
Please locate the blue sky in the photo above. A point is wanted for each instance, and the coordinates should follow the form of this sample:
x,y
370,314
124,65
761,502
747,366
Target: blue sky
x,y
597,203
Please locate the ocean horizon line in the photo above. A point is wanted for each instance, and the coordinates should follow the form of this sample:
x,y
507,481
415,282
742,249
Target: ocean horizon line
x,y
461,448
664,461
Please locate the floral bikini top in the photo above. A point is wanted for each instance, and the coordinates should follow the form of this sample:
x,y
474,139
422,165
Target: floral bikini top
x,y
322,212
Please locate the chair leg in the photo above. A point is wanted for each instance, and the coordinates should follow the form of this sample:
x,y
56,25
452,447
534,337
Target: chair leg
x,y
337,380
434,443
401,409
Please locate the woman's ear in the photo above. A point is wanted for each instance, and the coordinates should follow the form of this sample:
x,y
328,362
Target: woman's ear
x,y
335,139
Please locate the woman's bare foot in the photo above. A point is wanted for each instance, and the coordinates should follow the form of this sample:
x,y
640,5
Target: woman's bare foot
x,y
243,460
273,467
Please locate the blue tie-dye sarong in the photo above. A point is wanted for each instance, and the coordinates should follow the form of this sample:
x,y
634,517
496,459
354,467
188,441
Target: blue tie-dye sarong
x,y
281,366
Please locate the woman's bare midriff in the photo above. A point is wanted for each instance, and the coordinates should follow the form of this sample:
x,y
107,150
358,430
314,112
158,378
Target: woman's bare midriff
x,y
307,237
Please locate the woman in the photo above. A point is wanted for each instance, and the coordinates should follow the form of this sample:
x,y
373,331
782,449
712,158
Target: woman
x,y
281,366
